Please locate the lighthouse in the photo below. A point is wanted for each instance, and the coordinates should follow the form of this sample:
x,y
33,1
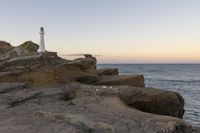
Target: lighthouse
x,y
42,43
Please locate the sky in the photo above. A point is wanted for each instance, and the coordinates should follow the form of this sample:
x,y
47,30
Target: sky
x,y
115,31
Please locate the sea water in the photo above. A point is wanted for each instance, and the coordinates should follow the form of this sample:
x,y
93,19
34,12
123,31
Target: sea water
x,y
182,78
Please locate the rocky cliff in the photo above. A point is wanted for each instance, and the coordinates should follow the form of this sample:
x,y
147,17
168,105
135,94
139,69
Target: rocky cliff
x,y
43,93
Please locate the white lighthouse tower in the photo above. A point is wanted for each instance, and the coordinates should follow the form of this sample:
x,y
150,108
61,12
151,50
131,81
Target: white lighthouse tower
x,y
42,43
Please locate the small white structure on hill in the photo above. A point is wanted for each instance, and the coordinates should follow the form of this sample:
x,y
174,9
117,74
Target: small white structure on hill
x,y
42,43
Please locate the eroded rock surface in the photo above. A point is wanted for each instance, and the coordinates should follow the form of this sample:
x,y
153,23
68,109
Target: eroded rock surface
x,y
107,71
78,108
38,94
24,64
132,80
143,98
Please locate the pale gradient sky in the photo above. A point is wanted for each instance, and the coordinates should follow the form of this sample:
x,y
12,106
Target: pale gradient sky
x,y
121,31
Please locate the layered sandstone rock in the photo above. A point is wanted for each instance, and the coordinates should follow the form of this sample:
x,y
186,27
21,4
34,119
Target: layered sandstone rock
x,y
38,94
132,80
42,68
28,48
153,100
107,71
146,99
79,108
24,64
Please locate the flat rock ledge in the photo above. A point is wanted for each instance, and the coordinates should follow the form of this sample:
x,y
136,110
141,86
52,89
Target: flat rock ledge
x,y
132,80
79,108
107,71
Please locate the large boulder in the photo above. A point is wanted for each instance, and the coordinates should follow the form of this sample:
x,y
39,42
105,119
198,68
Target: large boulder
x,y
154,101
132,80
107,71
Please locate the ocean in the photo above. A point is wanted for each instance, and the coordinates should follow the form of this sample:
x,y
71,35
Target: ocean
x,y
182,78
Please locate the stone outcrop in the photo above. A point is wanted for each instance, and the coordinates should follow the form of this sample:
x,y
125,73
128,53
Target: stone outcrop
x,y
79,121
107,71
30,46
24,64
150,100
88,64
43,68
87,79
30,61
154,100
79,108
39,92
5,47
132,80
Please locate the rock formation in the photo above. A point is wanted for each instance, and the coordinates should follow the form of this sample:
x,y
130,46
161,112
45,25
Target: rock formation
x,y
39,92
29,46
76,108
132,80
42,68
107,71
5,47
26,65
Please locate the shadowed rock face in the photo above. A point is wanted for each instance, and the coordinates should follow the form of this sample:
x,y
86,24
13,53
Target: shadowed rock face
x,y
78,108
132,80
5,47
107,71
154,101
